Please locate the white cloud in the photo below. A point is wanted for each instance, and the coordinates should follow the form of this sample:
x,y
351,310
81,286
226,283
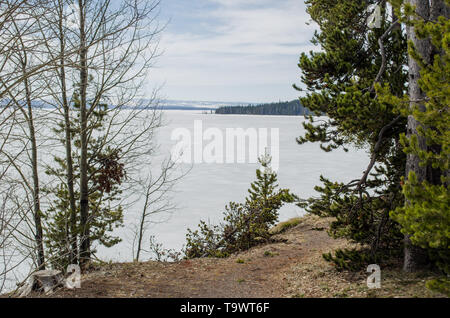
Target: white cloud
x,y
245,42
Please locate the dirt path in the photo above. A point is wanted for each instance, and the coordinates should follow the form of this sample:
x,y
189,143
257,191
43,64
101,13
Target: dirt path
x,y
259,272
293,267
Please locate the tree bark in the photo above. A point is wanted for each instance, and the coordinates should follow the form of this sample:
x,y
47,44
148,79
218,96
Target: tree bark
x,y
71,230
44,281
84,194
416,258
36,200
141,227
38,232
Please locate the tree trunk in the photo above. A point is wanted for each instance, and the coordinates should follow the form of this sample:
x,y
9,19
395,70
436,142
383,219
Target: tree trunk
x,y
141,226
414,257
71,230
36,200
84,194
42,281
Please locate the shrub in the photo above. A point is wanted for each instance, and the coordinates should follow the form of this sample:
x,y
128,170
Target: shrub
x,y
245,224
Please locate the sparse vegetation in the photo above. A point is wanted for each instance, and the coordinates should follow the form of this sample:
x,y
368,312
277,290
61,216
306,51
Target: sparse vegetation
x,y
283,226
298,273
245,224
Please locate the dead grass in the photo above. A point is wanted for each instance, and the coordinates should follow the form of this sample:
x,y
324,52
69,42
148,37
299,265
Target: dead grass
x,y
319,279
283,226
291,266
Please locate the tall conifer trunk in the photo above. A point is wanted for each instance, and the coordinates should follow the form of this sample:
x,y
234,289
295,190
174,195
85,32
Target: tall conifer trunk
x,y
415,258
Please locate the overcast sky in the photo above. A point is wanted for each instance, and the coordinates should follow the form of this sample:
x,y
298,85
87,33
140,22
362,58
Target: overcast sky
x,y
232,50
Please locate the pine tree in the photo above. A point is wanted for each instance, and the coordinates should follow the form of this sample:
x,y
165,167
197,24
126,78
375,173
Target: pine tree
x,y
265,193
393,96
244,224
105,172
340,82
425,217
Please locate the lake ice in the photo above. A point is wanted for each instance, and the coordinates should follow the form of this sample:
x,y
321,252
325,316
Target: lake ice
x,y
204,192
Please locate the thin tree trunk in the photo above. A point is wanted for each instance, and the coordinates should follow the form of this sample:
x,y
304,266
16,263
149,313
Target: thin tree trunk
x,y
36,200
84,194
141,226
71,230
35,189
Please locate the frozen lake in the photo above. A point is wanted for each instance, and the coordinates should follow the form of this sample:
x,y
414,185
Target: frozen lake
x,y
207,188
203,193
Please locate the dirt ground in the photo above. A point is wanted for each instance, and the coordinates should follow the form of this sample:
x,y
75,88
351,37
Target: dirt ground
x,y
292,267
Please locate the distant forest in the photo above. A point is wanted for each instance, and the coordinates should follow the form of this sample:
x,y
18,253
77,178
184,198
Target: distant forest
x,y
281,108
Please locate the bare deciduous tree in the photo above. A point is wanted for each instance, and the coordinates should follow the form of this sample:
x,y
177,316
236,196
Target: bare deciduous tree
x,y
156,193
117,46
52,50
